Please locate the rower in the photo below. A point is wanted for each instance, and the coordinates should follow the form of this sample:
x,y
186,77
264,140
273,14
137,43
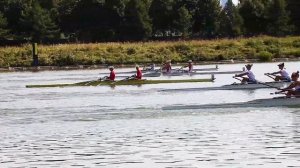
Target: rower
x,y
250,76
189,65
111,76
284,76
294,88
151,67
167,66
138,75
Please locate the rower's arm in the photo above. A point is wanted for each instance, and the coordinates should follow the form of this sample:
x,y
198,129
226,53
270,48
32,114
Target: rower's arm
x,y
242,74
274,73
293,85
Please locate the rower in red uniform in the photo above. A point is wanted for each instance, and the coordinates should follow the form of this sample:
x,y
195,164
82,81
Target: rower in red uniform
x,y
139,74
167,66
112,74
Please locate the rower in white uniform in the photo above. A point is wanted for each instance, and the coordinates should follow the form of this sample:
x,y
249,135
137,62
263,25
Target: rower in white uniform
x,y
294,88
189,65
284,76
247,76
150,67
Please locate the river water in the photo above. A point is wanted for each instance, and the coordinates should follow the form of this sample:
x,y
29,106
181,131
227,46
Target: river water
x,y
126,127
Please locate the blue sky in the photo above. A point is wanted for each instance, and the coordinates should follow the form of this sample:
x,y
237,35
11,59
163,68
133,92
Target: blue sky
x,y
224,1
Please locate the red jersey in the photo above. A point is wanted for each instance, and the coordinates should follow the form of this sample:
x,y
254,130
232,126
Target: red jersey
x,y
112,75
168,67
139,74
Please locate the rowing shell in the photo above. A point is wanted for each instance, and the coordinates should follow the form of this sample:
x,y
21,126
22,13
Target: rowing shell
x,y
160,71
186,73
235,86
274,102
121,82
182,73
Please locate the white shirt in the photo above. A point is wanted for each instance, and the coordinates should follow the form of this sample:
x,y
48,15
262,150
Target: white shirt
x,y
283,73
251,76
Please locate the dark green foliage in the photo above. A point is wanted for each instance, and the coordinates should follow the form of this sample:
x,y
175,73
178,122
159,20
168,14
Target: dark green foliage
x,y
207,19
279,19
12,10
183,21
125,20
293,6
137,23
3,26
254,13
161,14
231,21
37,23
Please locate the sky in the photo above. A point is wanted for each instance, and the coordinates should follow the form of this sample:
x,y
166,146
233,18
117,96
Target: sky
x,y
224,1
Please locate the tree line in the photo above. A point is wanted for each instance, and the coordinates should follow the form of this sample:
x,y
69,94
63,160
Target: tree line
x,y
137,20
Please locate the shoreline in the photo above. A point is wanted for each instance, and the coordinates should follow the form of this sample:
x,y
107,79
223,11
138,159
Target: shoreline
x,y
94,67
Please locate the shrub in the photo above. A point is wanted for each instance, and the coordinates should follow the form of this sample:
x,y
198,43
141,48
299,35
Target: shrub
x,y
265,56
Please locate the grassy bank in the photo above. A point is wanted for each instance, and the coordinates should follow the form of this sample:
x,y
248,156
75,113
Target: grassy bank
x,y
261,48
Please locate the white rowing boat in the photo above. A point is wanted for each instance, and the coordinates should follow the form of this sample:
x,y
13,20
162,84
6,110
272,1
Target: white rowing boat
x,y
274,102
235,86
158,71
183,73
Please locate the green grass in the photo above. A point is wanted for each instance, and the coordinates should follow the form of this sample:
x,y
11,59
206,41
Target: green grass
x,y
262,48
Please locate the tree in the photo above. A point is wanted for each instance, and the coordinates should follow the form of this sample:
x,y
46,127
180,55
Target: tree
x,y
12,11
293,6
37,24
207,18
279,19
137,23
49,4
231,21
254,14
65,15
115,10
190,5
3,26
161,14
86,20
183,21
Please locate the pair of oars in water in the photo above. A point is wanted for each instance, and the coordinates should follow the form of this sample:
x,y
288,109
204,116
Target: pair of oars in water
x,y
265,84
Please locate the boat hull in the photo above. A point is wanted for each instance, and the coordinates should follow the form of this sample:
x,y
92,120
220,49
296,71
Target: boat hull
x,y
263,103
122,82
235,86
185,73
160,71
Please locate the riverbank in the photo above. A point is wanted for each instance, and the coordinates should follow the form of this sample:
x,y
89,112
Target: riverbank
x,y
100,55
92,67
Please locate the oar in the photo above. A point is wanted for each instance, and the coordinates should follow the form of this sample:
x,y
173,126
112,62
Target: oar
x,y
129,77
269,75
100,79
275,93
180,68
237,78
263,83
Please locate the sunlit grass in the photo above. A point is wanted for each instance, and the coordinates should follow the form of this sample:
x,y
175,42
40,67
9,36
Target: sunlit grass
x,y
262,48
